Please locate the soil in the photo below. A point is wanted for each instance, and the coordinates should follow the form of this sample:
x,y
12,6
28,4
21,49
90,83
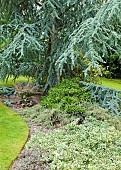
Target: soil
x,y
15,101
30,159
27,159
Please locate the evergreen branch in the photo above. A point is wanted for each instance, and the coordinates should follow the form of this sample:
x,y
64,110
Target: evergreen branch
x,y
106,97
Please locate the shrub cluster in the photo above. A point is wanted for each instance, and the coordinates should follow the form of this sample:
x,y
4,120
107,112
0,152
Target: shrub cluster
x,y
67,96
64,103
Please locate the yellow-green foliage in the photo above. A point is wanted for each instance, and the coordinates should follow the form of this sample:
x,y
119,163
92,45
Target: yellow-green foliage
x,y
67,95
11,82
13,135
112,83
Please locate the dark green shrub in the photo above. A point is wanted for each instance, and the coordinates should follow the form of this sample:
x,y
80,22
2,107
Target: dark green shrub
x,y
67,96
113,66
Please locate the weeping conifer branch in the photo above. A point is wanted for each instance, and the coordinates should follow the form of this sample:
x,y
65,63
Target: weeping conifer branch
x,y
106,97
96,37
45,38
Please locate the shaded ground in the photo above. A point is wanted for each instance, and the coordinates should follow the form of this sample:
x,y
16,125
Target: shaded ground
x,y
15,101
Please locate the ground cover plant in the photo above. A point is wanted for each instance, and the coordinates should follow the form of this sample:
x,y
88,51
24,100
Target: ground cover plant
x,y
13,135
45,117
103,115
7,91
92,145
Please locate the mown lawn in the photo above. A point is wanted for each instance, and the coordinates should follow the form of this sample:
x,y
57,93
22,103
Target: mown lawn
x,y
13,135
112,83
11,82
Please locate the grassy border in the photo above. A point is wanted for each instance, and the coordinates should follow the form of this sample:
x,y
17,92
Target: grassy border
x,y
13,136
11,82
111,83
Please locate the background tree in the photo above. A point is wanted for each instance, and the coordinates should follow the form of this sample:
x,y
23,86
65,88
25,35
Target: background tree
x,y
47,39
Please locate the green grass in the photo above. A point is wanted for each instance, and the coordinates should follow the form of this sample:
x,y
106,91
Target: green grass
x,y
12,83
13,135
112,83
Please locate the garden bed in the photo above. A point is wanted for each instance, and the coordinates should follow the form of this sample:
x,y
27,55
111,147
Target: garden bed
x,y
50,132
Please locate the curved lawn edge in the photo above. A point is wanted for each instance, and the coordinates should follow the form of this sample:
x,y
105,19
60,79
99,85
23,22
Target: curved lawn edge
x,y
13,136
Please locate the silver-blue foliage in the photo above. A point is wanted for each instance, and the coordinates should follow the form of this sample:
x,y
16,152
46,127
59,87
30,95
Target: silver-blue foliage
x,y
45,38
106,97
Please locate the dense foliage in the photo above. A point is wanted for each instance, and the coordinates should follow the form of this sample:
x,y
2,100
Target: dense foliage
x,y
45,117
106,97
92,145
112,66
103,115
67,96
6,91
49,38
